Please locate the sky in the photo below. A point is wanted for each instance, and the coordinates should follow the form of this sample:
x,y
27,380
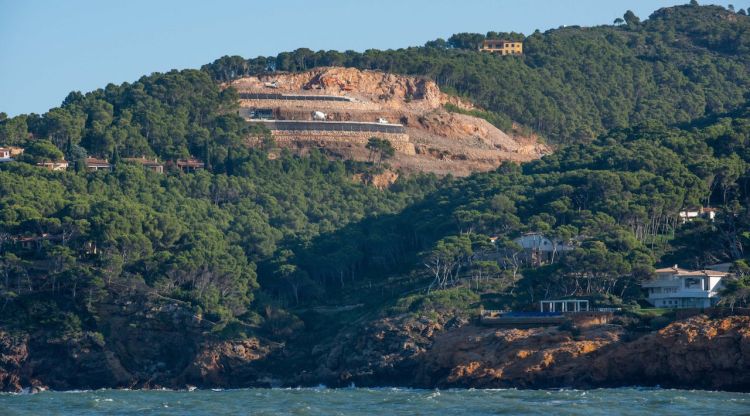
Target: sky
x,y
49,48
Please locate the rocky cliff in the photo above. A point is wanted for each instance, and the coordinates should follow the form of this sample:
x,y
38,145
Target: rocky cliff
x,y
412,351
697,353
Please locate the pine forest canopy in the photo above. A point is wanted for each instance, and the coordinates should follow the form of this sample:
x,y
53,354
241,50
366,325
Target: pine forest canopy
x,y
649,117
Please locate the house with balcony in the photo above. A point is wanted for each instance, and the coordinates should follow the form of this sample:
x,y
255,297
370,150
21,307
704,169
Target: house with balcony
x,y
190,165
674,287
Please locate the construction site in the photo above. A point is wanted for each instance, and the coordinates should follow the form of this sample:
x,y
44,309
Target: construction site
x,y
339,109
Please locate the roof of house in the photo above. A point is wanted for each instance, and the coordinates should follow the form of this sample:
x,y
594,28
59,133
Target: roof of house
x,y
500,41
684,272
96,162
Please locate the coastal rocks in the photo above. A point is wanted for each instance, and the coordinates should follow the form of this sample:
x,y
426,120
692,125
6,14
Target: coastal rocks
x,y
696,353
385,352
225,364
443,350
14,352
483,357
420,352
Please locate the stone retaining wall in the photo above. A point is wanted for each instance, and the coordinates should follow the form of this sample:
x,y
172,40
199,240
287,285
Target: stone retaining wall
x,y
400,142
311,105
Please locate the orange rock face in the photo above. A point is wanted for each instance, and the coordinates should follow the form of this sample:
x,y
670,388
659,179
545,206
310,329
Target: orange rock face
x,y
697,353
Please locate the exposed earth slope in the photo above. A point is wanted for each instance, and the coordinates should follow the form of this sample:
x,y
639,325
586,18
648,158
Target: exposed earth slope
x,y
435,139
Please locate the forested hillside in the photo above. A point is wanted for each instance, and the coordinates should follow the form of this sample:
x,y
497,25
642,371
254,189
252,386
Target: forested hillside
x,y
650,118
572,83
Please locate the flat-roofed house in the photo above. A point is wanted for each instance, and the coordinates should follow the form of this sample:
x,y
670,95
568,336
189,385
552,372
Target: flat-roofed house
x,y
502,46
690,214
57,165
190,165
674,287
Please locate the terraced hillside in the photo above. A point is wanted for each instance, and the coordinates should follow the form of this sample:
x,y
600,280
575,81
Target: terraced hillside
x,y
339,109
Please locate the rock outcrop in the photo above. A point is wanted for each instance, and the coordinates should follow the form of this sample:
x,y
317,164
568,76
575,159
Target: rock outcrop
x,y
698,353
406,350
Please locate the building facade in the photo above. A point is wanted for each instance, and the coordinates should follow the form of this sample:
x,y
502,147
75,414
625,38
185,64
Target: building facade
x,y
502,47
54,165
691,214
674,287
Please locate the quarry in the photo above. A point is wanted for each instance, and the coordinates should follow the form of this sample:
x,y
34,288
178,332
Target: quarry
x,y
339,109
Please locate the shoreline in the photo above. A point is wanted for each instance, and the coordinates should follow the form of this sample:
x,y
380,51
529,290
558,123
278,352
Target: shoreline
x,y
700,353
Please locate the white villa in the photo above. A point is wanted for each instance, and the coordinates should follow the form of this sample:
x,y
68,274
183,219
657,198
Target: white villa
x,y
679,288
691,214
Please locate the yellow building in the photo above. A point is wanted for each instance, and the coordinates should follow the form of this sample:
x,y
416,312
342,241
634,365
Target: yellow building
x,y
502,46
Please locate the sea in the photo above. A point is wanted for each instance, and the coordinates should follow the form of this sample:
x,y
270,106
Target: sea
x,y
378,401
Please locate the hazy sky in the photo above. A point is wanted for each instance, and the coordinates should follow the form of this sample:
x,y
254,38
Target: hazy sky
x,y
49,48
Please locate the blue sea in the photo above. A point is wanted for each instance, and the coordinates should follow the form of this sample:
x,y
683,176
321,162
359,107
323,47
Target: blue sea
x,y
380,401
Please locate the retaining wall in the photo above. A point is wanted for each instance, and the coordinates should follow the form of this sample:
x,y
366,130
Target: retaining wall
x,y
399,141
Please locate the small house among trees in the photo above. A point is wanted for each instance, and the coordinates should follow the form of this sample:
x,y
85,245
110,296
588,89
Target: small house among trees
x,y
691,214
150,164
190,165
94,164
539,250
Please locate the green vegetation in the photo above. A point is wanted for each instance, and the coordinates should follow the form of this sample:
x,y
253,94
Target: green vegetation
x,y
572,83
381,148
650,117
500,121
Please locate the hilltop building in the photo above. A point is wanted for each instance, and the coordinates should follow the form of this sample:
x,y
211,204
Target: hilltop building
x,y
674,287
502,46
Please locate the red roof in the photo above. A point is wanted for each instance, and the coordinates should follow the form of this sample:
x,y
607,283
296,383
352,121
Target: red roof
x,y
92,161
